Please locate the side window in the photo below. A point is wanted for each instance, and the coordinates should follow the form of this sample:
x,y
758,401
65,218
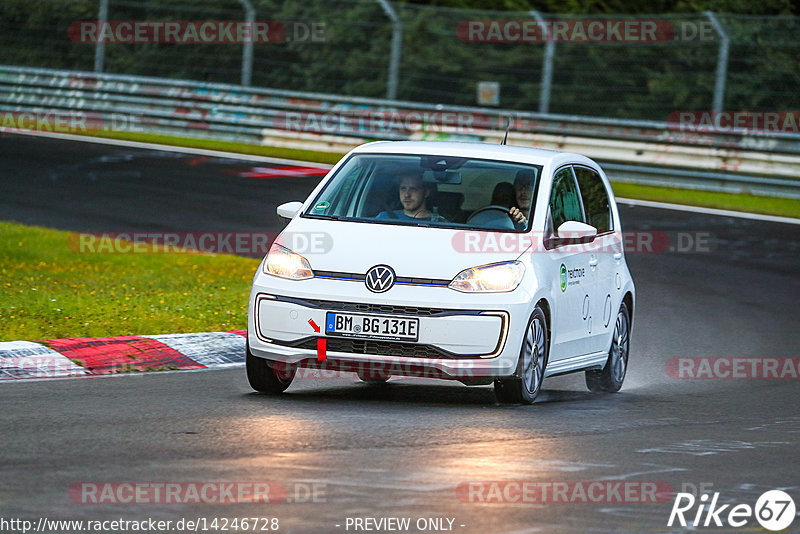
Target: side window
x,y
595,199
565,200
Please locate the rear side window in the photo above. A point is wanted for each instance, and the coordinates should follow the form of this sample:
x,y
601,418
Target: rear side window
x,y
595,199
565,201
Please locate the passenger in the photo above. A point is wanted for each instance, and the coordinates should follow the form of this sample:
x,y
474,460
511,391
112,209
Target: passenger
x,y
413,196
523,193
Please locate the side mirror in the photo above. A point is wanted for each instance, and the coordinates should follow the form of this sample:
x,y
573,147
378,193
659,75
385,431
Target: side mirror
x,y
572,232
288,210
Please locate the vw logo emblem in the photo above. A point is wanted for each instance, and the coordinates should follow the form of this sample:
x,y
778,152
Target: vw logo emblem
x,y
380,278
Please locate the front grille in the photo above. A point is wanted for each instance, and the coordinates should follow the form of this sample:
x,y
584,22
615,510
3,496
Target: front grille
x,y
381,348
401,280
379,308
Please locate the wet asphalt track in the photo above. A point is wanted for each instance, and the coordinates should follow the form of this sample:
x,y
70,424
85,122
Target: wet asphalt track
x,y
401,450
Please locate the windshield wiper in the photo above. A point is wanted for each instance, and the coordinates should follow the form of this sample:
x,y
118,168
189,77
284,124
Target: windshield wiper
x,y
325,217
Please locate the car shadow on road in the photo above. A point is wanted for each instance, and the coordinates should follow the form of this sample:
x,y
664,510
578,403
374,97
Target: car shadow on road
x,y
399,392
391,392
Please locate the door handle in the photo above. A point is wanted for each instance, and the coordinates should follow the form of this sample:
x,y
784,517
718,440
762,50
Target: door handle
x,y
618,256
593,262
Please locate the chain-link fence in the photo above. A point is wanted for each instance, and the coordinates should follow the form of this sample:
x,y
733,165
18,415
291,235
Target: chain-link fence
x,y
609,66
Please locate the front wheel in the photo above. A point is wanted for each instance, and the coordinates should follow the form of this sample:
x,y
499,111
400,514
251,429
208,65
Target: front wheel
x,y
524,386
610,378
266,376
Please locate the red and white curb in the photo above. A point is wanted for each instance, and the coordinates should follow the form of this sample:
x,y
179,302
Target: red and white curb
x,y
93,356
283,172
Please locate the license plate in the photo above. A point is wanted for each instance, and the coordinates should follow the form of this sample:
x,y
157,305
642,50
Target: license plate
x,y
371,326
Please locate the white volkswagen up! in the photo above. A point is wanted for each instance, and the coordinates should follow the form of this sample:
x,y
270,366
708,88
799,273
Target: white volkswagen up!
x,y
468,261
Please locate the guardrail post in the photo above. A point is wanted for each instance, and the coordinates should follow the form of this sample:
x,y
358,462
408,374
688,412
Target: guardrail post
x,y
397,46
547,67
247,49
100,47
722,62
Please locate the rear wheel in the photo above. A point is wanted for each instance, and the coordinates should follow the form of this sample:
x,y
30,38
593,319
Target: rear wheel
x,y
613,374
266,376
524,386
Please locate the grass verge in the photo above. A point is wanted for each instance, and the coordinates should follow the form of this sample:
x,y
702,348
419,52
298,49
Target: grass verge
x,y
226,146
783,207
49,291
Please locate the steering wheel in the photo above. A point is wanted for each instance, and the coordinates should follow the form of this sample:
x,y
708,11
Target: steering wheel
x,y
493,207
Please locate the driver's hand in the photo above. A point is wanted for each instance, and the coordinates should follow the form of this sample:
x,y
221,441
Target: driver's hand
x,y
517,215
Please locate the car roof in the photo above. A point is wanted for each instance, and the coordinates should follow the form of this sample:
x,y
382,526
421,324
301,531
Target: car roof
x,y
519,154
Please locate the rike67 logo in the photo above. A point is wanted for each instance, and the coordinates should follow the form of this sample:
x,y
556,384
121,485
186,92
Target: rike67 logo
x,y
774,510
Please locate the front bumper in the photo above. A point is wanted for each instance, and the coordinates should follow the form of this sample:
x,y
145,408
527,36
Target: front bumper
x,y
461,336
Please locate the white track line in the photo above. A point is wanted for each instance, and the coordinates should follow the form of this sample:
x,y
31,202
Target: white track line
x,y
250,157
708,211
169,148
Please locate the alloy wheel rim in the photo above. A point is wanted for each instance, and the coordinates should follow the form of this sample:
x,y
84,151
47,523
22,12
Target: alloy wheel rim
x,y
619,348
533,353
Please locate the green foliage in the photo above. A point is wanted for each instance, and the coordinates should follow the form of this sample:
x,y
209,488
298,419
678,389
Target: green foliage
x,y
782,207
744,7
621,80
50,289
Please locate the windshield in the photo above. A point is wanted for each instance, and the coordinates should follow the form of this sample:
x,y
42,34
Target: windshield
x,y
426,190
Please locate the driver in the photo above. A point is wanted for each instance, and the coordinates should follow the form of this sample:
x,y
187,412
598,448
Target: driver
x,y
523,193
413,197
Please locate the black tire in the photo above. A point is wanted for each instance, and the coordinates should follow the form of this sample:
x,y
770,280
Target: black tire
x,y
264,378
610,378
524,386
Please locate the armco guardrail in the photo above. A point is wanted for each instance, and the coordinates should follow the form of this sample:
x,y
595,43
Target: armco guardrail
x,y
758,162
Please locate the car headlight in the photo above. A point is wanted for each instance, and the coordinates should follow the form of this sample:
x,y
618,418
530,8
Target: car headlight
x,y
494,278
284,263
